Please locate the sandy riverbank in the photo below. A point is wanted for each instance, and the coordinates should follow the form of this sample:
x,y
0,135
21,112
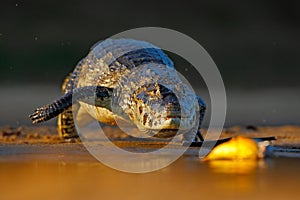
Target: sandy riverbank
x,y
288,136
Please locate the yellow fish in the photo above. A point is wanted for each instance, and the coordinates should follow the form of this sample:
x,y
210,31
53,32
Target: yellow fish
x,y
238,148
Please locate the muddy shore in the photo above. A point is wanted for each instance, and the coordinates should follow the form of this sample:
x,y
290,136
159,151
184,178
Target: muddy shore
x,y
286,136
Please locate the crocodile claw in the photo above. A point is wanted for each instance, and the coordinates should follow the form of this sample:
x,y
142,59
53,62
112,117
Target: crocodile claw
x,y
39,115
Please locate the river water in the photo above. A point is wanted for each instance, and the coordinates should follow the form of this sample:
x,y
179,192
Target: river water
x,y
67,171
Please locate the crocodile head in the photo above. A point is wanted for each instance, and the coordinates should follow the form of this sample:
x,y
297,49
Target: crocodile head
x,y
157,111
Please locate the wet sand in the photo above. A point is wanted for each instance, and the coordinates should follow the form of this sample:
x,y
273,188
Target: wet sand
x,y
36,164
286,136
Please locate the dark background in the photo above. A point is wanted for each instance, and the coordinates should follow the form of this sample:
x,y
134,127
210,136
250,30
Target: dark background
x,y
255,44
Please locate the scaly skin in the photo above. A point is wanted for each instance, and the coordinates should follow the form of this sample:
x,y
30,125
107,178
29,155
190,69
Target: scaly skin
x,y
130,78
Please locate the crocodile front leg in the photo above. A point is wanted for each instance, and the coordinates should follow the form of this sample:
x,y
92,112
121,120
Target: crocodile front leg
x,y
202,107
198,140
94,95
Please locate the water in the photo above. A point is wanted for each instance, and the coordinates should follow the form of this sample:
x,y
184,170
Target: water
x,y
69,172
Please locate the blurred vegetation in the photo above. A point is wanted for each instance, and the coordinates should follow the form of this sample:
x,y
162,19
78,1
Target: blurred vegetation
x,y
254,44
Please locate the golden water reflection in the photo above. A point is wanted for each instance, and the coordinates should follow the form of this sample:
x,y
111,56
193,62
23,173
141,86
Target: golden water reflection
x,y
246,166
71,177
